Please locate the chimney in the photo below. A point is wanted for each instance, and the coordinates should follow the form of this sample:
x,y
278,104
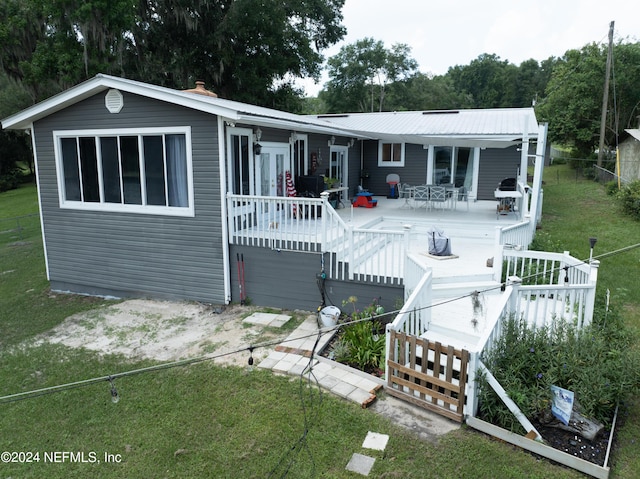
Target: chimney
x,y
201,90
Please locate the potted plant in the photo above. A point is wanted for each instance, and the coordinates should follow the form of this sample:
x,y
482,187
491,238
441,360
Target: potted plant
x,y
331,182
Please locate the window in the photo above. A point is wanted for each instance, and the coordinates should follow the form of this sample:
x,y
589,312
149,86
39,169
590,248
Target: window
x,y
390,154
143,170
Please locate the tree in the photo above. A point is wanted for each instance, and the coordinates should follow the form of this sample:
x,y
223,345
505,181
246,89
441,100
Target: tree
x,y
14,145
360,73
573,101
246,50
424,92
490,81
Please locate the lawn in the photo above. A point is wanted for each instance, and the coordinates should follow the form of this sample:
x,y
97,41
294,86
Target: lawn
x,y
205,420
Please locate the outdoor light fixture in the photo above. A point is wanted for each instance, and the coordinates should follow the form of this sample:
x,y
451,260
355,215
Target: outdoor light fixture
x,y
352,142
592,243
115,397
331,141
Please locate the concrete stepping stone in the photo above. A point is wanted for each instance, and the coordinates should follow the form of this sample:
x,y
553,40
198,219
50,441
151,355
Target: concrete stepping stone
x,y
267,319
361,464
375,441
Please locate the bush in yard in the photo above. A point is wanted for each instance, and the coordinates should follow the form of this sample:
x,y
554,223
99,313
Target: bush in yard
x,y
630,198
598,363
361,344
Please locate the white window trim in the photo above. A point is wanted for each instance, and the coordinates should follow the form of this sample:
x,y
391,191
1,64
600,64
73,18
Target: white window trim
x,y
387,164
124,208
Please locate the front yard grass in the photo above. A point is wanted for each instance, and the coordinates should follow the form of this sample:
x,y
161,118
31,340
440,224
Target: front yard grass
x,y
210,421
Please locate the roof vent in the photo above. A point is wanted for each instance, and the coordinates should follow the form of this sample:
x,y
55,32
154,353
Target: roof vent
x,y
201,90
113,101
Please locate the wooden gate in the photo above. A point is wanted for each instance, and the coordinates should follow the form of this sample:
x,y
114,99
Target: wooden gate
x,y
428,374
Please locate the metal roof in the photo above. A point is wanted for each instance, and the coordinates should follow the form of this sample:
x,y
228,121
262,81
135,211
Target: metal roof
x,y
634,133
497,128
488,127
231,110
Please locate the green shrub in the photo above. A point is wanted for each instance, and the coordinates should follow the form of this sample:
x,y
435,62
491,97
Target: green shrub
x,y
543,241
366,345
611,188
630,199
10,180
598,363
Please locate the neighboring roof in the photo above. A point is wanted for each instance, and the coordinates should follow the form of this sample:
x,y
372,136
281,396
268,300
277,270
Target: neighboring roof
x,y
634,133
231,110
490,127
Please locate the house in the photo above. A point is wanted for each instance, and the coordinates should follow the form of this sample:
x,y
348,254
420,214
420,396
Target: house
x,y
629,151
150,191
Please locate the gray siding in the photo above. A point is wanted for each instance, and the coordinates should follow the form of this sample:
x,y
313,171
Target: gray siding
x,y
495,166
127,253
287,279
414,171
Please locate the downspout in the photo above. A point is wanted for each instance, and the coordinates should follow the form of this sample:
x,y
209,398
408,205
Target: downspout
x,y
222,142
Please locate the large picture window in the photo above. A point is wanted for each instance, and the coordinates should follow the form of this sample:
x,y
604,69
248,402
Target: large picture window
x,y
390,154
144,170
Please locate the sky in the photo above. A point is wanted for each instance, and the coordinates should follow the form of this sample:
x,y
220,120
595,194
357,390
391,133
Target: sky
x,y
446,33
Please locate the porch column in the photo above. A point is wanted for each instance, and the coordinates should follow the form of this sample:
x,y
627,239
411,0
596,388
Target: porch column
x,y
536,198
524,159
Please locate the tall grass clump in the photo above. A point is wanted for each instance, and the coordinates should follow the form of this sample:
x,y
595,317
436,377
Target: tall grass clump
x,y
598,363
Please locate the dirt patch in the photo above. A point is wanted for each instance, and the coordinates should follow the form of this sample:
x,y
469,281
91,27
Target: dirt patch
x,y
167,331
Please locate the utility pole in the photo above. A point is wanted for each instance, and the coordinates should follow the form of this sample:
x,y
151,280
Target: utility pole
x,y
605,97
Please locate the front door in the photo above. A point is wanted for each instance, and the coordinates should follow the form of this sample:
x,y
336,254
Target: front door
x,y
338,169
273,161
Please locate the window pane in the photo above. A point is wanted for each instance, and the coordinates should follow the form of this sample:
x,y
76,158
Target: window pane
x,y
89,165
386,152
70,167
154,170
130,170
397,152
177,170
110,170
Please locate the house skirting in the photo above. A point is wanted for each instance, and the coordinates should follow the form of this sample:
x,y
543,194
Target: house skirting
x,y
291,280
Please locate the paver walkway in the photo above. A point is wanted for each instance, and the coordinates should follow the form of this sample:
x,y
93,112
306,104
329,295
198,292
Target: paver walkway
x,y
293,356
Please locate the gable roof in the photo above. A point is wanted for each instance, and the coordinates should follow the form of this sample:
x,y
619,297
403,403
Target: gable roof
x,y
489,128
233,111
634,132
496,128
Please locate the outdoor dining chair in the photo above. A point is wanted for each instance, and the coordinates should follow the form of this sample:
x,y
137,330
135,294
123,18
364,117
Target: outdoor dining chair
x,y
463,195
404,190
437,196
421,195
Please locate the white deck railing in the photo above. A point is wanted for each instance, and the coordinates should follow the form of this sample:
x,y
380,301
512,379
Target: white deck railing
x,y
536,292
311,224
415,316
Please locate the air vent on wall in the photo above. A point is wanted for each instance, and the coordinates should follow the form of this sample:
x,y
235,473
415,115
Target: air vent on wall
x,y
113,101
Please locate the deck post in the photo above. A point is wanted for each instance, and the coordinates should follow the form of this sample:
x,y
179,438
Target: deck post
x,y
324,196
472,385
591,295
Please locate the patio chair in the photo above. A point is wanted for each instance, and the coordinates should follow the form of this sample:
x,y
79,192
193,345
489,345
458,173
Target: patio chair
x,y
404,190
421,195
463,195
437,196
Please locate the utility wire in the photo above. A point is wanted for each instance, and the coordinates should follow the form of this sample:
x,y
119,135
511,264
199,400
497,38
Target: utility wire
x,y
186,362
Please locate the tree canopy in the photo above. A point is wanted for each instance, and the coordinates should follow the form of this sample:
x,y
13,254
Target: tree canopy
x,y
246,50
573,99
360,73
